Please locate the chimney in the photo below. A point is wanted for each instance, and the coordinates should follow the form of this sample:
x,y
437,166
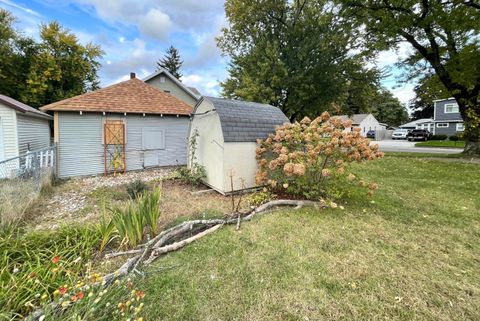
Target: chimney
x,y
132,75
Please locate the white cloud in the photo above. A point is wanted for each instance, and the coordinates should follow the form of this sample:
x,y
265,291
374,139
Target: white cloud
x,y
405,93
19,7
155,24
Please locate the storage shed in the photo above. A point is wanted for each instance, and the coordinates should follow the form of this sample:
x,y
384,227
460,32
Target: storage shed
x,y
22,128
226,142
127,126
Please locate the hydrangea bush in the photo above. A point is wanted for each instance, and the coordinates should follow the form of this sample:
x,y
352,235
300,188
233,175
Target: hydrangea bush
x,y
306,158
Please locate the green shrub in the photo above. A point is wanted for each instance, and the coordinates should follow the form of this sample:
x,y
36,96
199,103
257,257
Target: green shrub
x,y
438,137
259,198
193,175
454,138
136,188
35,264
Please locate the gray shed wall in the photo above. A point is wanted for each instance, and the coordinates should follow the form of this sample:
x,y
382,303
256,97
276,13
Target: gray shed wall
x,y
80,147
32,131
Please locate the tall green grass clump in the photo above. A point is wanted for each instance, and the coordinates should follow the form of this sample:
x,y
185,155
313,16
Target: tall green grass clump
x,y
33,265
132,221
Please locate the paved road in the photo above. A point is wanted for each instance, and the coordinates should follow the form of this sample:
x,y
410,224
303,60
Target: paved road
x,y
405,146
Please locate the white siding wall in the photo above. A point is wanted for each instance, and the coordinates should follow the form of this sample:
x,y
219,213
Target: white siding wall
x,y
369,123
239,159
209,145
80,146
8,118
34,131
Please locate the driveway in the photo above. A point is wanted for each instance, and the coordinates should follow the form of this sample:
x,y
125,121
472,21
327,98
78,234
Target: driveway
x,y
409,147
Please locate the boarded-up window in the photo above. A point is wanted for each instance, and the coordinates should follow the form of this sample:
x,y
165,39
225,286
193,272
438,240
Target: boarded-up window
x,y
153,138
114,132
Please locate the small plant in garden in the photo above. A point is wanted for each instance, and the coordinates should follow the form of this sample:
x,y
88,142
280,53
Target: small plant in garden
x,y
88,299
305,159
106,229
130,224
131,220
136,188
261,197
149,206
35,264
194,173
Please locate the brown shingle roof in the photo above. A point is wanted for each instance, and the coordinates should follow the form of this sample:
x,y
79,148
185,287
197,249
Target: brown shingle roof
x,y
131,96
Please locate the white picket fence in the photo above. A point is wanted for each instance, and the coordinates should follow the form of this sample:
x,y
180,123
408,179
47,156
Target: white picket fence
x,y
30,165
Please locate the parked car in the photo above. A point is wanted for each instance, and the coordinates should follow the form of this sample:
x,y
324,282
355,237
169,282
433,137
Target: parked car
x,y
371,134
418,134
400,133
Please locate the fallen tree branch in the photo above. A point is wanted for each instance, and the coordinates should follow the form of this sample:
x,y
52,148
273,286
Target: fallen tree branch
x,y
177,245
158,247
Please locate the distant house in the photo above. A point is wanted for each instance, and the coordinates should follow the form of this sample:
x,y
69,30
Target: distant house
x,y
447,117
424,123
165,81
226,143
22,128
365,122
127,126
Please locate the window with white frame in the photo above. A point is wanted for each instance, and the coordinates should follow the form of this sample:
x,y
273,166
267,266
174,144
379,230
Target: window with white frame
x,y
460,127
162,79
451,108
442,125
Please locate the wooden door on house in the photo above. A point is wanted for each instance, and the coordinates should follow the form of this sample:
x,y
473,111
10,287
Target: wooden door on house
x,y
114,146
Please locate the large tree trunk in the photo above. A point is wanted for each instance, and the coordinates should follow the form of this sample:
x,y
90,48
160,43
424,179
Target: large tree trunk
x,y
470,111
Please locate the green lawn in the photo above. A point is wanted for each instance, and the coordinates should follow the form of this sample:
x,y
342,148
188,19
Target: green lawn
x,y
441,143
410,253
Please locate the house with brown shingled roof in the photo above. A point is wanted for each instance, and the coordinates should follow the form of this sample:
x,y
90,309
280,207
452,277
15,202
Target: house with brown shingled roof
x,y
130,125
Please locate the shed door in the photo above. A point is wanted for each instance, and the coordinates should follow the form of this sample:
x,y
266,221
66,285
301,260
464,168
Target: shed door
x,y
2,144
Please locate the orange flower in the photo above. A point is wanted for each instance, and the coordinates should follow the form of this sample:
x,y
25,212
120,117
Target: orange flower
x,y
74,298
55,259
62,290
140,294
80,295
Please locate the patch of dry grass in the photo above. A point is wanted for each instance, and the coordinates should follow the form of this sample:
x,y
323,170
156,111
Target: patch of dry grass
x,y
16,195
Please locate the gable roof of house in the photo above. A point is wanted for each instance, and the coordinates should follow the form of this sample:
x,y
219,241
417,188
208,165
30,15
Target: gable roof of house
x,y
195,91
131,96
356,118
191,91
246,121
416,122
21,107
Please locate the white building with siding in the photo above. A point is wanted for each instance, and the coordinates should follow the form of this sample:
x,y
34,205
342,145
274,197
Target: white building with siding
x,y
226,143
152,127
22,128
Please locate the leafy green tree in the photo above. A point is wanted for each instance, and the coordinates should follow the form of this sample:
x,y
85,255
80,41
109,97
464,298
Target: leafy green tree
x,y
295,55
445,37
9,71
55,68
428,89
171,62
62,67
388,109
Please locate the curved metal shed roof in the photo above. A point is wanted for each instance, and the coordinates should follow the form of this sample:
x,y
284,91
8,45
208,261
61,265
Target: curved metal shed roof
x,y
246,121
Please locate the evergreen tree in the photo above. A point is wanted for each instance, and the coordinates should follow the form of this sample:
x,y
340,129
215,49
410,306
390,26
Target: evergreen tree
x,y
171,62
